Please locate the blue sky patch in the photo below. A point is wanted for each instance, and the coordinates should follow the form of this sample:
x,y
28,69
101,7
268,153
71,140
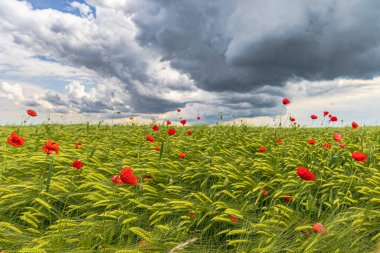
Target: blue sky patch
x,y
61,5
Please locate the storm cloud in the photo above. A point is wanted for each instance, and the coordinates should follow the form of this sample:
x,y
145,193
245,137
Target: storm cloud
x,y
235,56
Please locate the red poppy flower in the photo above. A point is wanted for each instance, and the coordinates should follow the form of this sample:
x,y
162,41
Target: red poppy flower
x,y
198,118
325,113
265,192
292,119
78,144
333,118
311,142
192,216
318,227
157,148
31,112
168,122
338,137
178,110
183,122
189,133
305,174
314,117
146,177
127,176
233,219
117,180
150,138
326,145
278,140
342,145
262,150
50,147
15,140
156,128
354,125
171,131
286,101
288,198
182,155
77,164
359,156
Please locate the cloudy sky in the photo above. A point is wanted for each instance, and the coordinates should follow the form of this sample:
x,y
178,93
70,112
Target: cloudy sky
x,y
87,59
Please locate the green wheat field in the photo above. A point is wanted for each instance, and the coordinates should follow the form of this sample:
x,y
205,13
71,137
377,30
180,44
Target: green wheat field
x,y
223,196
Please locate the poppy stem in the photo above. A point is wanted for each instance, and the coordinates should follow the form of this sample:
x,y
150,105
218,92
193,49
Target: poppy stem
x,y
50,174
280,116
161,151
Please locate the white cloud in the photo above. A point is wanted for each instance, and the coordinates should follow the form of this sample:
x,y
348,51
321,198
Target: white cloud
x,y
152,57
84,9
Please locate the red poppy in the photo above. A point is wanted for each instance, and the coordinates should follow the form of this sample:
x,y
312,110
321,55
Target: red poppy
x,y
78,144
198,118
157,148
15,140
342,145
326,145
183,122
146,177
189,133
156,128
117,180
262,150
77,164
354,125
192,216
182,155
233,219
31,112
305,174
311,142
325,113
286,101
292,119
171,131
359,156
168,122
288,198
333,118
150,138
338,137
50,147
127,176
178,110
278,140
265,192
314,116
318,227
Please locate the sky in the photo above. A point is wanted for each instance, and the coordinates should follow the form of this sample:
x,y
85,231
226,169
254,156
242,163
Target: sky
x,y
77,61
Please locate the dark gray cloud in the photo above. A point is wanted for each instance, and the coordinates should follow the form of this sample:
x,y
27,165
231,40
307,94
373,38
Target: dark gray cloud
x,y
243,45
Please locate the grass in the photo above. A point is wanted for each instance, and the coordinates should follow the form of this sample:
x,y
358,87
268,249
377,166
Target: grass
x,y
222,174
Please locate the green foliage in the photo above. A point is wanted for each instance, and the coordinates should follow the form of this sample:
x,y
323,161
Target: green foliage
x,y
54,207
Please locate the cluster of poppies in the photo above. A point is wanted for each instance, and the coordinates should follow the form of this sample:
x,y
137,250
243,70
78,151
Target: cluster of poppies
x,y
50,146
286,101
128,177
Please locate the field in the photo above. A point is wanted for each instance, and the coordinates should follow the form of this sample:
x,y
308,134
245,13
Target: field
x,y
224,193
